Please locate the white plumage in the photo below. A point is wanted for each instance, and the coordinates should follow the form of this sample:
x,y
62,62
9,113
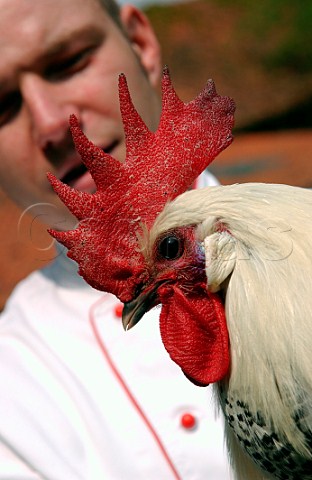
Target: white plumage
x,y
258,250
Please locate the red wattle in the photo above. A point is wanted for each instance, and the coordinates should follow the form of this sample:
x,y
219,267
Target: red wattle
x,y
194,332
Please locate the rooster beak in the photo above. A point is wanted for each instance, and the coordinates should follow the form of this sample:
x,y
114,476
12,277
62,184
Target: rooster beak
x,y
134,310
132,313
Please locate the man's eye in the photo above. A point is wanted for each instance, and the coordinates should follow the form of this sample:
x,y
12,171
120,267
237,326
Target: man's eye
x,y
10,105
68,66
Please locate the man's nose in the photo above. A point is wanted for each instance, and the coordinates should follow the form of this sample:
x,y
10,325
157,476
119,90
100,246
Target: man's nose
x,y
48,108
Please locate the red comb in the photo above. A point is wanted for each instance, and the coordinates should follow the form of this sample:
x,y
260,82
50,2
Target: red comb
x,y
159,166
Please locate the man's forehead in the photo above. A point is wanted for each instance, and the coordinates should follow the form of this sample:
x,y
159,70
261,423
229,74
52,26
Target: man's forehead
x,y
42,29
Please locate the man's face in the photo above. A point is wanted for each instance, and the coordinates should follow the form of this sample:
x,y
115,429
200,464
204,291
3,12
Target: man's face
x,y
59,58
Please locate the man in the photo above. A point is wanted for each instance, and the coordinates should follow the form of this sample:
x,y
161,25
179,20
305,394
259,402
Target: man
x,y
80,399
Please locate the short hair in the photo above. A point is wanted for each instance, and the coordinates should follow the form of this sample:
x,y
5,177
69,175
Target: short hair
x,y
113,10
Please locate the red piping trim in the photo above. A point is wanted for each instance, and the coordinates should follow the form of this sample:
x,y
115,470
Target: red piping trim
x,y
126,388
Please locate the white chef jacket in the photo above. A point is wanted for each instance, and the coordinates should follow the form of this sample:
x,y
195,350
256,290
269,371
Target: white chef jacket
x,y
81,399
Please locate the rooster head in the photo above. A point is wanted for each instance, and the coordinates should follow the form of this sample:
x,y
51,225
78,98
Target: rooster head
x,y
115,221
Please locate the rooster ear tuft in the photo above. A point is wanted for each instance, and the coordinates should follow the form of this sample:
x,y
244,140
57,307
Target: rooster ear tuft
x,y
220,255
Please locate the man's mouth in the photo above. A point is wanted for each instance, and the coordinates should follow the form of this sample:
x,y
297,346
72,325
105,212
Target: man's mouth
x,y
75,173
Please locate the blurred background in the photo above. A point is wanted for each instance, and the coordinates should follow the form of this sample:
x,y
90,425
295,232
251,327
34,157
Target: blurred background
x,y
259,53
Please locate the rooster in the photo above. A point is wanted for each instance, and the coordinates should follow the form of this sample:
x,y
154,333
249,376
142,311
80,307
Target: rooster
x,y
230,265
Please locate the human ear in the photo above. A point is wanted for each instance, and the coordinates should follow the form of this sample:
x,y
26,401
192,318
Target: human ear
x,y
143,40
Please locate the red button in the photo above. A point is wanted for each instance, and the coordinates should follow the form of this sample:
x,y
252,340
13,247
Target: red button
x,y
118,310
188,421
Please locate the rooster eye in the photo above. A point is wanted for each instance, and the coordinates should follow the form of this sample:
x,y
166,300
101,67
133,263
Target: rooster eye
x,y
170,247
